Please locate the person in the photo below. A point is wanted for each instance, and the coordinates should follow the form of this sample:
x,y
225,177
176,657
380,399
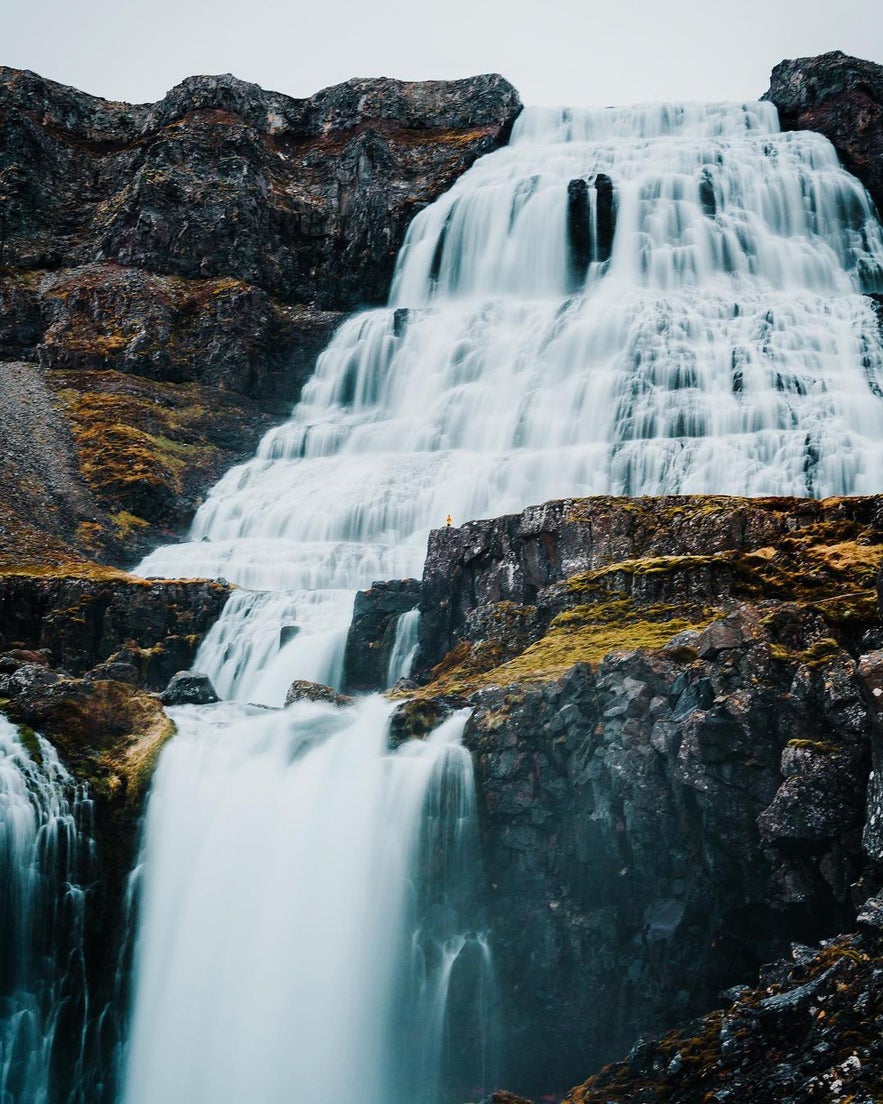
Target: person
x,y
448,522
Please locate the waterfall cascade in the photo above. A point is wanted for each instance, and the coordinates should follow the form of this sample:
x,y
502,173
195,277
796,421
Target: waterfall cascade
x,y
288,950
652,300
45,863
632,301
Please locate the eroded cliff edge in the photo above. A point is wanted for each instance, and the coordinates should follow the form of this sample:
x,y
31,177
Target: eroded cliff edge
x,y
674,728
169,273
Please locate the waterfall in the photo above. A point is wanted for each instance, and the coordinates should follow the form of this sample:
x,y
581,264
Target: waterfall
x,y
46,857
286,950
653,300
404,647
662,299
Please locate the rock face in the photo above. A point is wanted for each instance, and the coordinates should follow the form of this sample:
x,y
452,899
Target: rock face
x,y
842,98
306,199
672,734
86,621
371,636
809,1031
206,245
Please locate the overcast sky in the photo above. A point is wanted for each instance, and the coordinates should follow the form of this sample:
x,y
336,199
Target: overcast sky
x,y
558,51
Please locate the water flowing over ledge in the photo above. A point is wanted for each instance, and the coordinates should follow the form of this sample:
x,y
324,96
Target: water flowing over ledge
x,y
304,900
46,862
644,301
654,300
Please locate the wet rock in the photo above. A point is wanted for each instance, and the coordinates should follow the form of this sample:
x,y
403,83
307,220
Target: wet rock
x,y
189,688
372,632
842,98
304,690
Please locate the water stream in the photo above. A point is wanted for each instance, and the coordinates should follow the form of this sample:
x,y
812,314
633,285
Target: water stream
x,y
663,299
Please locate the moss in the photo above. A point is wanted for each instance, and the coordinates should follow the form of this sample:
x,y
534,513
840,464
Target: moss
x,y
30,743
814,745
585,634
819,654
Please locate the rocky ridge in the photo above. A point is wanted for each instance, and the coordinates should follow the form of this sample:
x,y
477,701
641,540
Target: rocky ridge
x,y
673,733
169,273
842,98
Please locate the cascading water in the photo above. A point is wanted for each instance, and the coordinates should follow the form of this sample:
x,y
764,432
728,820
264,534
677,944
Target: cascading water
x,y
632,301
653,300
404,648
286,953
46,855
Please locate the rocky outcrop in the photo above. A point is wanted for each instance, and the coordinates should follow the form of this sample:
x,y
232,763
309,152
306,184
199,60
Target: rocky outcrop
x,y
372,632
673,733
842,98
189,688
202,248
594,574
306,199
809,1031
87,621
304,690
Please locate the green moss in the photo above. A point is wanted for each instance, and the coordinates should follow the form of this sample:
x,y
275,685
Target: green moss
x,y
30,743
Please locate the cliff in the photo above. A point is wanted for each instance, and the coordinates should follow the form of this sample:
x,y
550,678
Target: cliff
x,y
842,98
674,729
169,273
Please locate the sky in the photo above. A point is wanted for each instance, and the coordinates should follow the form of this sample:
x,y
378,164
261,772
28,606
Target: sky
x,y
555,52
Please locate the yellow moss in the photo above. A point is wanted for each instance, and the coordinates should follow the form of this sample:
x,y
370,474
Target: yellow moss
x,y
814,745
817,655
585,634
125,524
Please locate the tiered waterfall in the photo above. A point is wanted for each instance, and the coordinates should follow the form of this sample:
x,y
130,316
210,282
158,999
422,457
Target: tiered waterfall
x,y
643,301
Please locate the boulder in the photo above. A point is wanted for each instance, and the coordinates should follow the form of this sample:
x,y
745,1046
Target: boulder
x,y
304,690
189,688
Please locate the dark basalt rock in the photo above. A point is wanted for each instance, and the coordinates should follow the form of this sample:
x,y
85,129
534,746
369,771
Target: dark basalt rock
x,y
189,688
606,200
673,738
154,626
371,635
579,235
306,199
809,1031
304,690
842,98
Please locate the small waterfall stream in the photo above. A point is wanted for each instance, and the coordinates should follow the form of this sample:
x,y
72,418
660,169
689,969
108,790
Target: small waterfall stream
x,y
46,857
652,300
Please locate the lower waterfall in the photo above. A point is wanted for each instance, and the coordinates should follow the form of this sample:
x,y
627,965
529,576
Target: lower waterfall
x,y
303,907
640,301
46,856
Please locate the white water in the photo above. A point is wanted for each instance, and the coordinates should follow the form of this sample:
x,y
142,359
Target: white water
x,y
286,950
404,648
45,856
724,347
289,946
